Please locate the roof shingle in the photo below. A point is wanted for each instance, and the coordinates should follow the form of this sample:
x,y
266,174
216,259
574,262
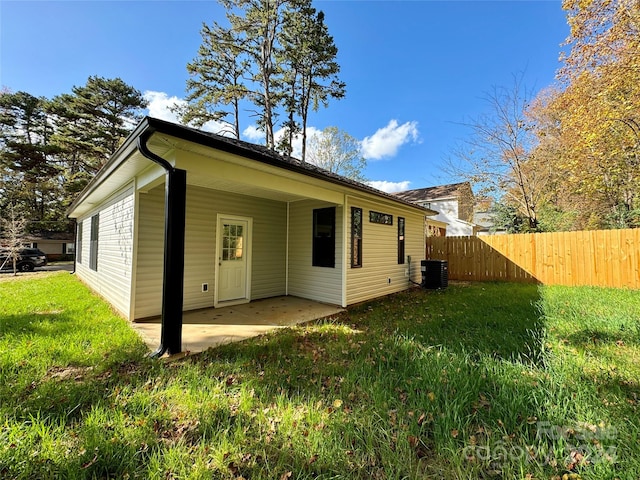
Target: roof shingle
x,y
433,193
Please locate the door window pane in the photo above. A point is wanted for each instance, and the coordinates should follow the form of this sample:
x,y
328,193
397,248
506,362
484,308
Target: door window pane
x,y
232,242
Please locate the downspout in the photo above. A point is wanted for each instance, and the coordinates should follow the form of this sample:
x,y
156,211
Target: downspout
x,y
286,256
75,245
173,268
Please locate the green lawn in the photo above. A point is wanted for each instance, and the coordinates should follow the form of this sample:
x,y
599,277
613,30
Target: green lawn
x,y
476,381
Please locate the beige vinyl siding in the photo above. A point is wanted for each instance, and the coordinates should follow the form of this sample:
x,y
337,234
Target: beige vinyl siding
x,y
150,253
268,246
112,280
268,243
82,255
380,252
315,283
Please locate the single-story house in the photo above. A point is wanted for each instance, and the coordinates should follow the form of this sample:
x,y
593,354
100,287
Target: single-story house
x,y
180,219
55,245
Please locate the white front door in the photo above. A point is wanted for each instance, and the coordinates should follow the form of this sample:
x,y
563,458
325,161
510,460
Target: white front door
x,y
234,255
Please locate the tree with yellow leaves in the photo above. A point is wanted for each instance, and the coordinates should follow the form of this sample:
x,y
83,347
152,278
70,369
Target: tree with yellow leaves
x,y
593,121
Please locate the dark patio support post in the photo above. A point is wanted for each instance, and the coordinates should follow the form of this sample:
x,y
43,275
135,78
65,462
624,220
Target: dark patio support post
x,y
173,268
173,275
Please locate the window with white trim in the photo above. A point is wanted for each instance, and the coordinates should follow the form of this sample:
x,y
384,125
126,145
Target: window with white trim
x,y
93,246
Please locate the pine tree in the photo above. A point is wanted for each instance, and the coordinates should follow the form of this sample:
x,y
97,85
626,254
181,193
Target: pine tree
x,y
277,56
309,67
29,174
91,123
216,80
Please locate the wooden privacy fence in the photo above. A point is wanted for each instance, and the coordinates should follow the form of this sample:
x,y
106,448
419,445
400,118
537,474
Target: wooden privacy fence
x,y
608,258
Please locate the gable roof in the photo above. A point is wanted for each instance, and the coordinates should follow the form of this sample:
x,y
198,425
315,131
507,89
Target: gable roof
x,y
259,153
433,193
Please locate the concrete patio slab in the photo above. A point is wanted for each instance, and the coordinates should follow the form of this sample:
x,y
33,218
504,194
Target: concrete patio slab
x,y
202,329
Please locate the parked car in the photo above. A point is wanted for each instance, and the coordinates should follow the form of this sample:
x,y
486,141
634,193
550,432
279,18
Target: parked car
x,y
28,259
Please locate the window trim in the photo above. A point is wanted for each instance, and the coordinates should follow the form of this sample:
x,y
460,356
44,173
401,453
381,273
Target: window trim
x,y
318,242
356,240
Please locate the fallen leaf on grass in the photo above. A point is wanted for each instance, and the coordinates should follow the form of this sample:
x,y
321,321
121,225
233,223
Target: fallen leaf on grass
x,y
420,448
577,459
454,433
393,417
91,462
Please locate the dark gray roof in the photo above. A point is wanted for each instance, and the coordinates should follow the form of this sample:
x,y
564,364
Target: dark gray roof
x,y
248,150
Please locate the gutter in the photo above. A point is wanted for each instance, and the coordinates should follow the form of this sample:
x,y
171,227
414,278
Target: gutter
x,y
174,234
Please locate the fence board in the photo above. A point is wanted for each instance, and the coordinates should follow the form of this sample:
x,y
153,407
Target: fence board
x,y
608,258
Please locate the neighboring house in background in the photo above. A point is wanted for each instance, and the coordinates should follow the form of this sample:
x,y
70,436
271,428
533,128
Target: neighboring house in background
x,y
454,204
436,228
483,217
257,225
55,245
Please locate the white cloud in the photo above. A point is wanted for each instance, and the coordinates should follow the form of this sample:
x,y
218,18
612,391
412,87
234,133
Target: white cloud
x,y
160,106
387,140
389,187
253,133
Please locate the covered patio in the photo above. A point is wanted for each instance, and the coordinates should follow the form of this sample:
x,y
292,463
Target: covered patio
x,y
210,327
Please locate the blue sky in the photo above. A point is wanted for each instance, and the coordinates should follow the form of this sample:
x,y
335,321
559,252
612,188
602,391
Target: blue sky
x,y
414,70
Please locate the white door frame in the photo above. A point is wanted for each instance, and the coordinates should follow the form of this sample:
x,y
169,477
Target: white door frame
x,y
248,264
